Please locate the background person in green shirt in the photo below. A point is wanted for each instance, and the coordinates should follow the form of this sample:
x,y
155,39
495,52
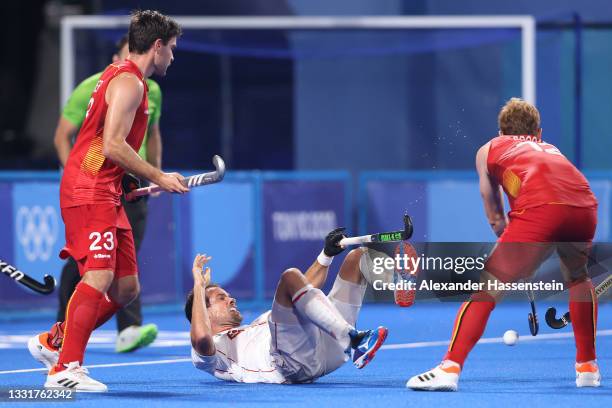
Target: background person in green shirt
x,y
131,333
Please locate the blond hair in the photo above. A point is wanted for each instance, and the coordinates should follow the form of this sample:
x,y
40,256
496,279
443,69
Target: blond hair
x,y
519,117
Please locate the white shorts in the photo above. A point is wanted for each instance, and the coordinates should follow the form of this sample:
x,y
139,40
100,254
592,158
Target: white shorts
x,y
301,350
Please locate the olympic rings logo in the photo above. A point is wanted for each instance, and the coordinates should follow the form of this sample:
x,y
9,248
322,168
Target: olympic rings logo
x,y
37,230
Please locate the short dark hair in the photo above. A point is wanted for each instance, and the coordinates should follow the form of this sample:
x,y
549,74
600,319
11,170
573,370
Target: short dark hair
x,y
146,26
121,43
189,300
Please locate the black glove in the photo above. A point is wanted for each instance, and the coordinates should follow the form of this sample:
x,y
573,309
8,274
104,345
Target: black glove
x,y
129,182
332,242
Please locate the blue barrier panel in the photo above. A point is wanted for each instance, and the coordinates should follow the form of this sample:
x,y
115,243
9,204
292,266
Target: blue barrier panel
x,y
446,206
298,211
39,230
156,257
384,196
601,189
220,221
6,221
254,224
456,213
387,201
7,286
37,235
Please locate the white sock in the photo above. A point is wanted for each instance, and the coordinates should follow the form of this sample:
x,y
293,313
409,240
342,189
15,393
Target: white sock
x,y
315,306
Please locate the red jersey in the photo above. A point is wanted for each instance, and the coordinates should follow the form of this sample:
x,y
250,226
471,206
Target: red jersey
x,y
90,178
534,173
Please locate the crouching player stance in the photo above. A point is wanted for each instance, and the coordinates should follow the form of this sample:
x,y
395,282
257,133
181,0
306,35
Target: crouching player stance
x,y
552,208
306,334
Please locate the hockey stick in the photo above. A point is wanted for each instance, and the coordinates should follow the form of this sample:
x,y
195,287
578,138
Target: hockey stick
x,y
392,236
192,181
551,313
18,276
534,326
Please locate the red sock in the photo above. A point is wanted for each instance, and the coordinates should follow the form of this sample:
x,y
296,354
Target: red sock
x,y
106,310
80,321
583,312
469,325
108,307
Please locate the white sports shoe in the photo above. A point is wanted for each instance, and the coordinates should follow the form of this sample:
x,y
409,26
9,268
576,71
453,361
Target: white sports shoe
x,y
41,351
444,377
135,337
587,374
74,377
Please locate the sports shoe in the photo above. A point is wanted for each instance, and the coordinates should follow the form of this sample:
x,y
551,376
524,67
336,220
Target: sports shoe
x,y
587,374
135,337
444,377
405,275
365,344
74,377
41,350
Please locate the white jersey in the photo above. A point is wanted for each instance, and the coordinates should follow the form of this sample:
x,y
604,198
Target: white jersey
x,y
242,355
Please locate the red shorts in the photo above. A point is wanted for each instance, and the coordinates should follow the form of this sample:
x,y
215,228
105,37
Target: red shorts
x,y
99,237
535,233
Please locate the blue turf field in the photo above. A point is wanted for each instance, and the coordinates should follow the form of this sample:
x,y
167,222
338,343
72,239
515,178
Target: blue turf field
x,y
537,371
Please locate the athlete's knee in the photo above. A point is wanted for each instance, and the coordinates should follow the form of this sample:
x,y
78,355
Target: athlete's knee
x,y
354,256
127,292
291,280
291,275
350,270
98,279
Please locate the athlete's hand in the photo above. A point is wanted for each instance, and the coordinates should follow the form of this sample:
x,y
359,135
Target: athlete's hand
x,y
200,276
172,183
332,242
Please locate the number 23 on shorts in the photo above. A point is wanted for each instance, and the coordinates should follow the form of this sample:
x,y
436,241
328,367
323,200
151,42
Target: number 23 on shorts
x,y
104,240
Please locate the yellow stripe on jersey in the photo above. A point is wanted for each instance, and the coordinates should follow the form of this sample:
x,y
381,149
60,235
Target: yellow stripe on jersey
x,y
511,183
94,159
458,323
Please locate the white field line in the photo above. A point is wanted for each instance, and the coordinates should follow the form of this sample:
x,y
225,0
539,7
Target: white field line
x,y
489,340
421,344
135,363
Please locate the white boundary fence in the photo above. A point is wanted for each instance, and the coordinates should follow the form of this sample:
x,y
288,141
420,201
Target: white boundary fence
x,y
525,23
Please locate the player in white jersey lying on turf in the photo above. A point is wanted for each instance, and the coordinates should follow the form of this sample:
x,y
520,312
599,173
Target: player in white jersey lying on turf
x,y
306,334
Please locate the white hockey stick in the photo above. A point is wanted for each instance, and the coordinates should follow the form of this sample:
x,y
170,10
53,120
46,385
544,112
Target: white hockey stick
x,y
392,236
197,180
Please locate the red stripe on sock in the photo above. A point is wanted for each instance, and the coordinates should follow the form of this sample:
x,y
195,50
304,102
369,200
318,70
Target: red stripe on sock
x,y
299,296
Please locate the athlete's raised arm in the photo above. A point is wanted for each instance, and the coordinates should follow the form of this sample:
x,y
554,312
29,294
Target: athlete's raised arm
x,y
123,96
201,328
491,193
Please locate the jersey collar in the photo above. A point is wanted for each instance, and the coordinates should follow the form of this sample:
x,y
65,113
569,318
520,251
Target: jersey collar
x,y
140,74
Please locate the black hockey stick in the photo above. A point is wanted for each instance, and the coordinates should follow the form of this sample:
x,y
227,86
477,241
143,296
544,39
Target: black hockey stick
x,y
534,326
551,313
392,236
192,181
18,276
